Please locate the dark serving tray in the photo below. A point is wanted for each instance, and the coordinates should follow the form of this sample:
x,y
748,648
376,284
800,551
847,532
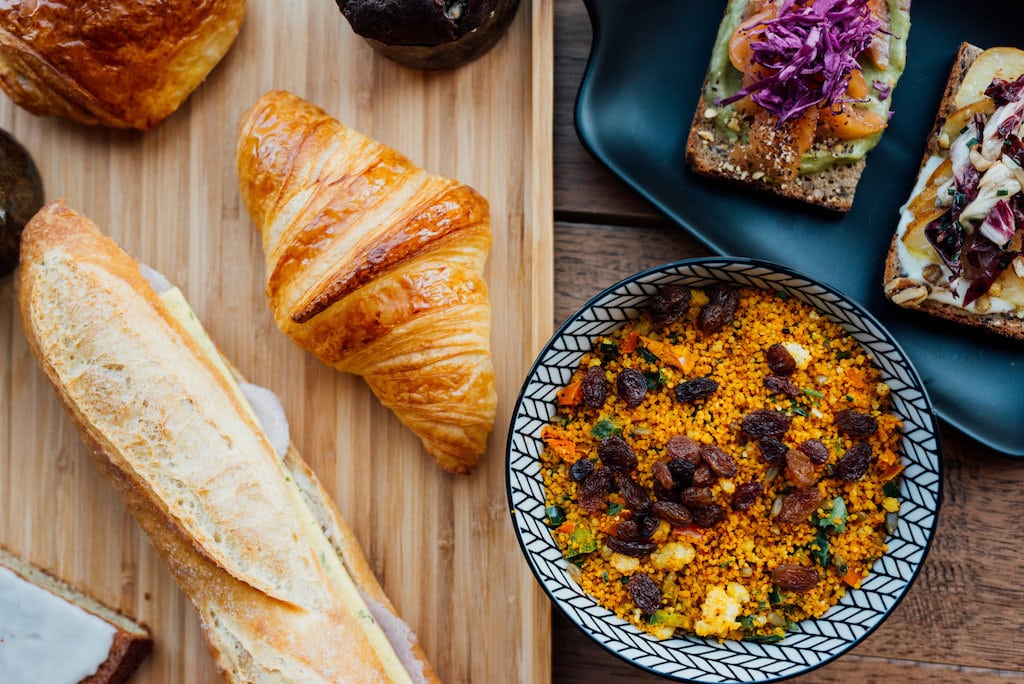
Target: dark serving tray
x,y
646,68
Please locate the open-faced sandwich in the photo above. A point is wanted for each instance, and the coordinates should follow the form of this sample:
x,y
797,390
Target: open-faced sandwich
x,y
956,252
797,93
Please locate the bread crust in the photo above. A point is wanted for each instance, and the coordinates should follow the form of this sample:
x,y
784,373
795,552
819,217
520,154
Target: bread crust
x,y
895,283
132,641
119,63
155,413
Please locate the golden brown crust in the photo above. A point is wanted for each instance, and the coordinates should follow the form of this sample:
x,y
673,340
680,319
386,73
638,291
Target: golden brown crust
x,y
375,266
123,64
708,154
193,468
132,641
908,293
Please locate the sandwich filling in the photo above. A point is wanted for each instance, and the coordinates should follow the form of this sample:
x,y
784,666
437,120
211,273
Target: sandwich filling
x,y
803,85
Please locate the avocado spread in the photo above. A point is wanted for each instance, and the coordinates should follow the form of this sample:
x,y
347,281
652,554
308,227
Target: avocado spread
x,y
724,80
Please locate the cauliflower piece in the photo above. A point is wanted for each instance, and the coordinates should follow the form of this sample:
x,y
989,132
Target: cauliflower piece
x,y
799,353
673,556
720,610
627,565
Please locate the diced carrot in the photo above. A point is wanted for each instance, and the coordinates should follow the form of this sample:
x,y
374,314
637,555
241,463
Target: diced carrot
x,y
567,527
852,578
628,345
609,526
565,448
891,472
668,355
571,394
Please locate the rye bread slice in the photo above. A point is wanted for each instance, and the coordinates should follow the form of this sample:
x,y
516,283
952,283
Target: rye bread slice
x,y
707,153
909,293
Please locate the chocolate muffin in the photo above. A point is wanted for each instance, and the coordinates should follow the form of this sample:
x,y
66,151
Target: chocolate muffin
x,y
430,34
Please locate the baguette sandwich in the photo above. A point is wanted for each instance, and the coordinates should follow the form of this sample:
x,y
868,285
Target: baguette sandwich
x,y
282,589
956,252
797,93
43,616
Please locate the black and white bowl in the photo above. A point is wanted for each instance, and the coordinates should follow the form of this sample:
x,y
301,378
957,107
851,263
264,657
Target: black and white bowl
x,y
690,658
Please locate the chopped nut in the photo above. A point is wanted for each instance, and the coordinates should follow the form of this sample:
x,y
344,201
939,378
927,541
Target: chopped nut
x,y
932,273
706,135
758,175
710,113
906,292
983,303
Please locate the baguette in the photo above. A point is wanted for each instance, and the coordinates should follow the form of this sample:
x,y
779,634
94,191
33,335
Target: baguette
x,y
745,144
281,588
915,276
44,616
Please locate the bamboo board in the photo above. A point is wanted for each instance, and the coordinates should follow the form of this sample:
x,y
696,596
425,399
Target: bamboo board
x,y
442,545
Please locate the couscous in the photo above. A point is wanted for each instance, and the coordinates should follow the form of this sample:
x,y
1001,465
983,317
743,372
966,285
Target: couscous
x,y
724,465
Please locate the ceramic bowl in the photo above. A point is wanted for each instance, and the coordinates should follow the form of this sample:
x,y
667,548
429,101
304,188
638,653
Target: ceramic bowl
x,y
691,658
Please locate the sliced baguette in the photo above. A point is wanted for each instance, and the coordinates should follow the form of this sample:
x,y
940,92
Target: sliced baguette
x,y
31,619
909,293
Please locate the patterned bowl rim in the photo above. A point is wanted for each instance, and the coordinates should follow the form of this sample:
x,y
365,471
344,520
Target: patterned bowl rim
x,y
691,658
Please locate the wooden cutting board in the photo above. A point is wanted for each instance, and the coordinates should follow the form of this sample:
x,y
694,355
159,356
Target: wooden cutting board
x,y
442,545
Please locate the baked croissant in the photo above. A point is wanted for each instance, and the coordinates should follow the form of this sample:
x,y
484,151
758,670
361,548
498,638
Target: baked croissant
x,y
375,266
123,64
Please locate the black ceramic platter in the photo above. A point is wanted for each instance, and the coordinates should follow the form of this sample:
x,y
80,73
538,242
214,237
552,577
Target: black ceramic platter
x,y
646,69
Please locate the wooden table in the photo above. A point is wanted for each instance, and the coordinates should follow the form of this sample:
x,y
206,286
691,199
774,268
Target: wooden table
x,y
963,618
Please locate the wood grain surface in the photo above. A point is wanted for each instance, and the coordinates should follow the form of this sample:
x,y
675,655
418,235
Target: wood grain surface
x,y
442,545
962,619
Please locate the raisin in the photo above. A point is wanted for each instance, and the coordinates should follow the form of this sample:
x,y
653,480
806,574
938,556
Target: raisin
x,y
800,470
695,389
765,423
633,494
631,386
746,495
703,476
647,525
627,530
792,577
723,300
798,505
662,493
708,516
815,450
669,305
630,548
616,453
681,446
721,463
855,424
852,465
581,470
594,387
780,385
672,513
694,497
645,593
593,492
780,361
772,450
663,475
682,471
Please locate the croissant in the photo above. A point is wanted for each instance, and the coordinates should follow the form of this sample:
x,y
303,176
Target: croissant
x,y
376,267
125,64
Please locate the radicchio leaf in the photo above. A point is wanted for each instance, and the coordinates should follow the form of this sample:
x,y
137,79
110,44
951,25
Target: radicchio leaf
x,y
947,237
809,51
1003,92
987,263
998,225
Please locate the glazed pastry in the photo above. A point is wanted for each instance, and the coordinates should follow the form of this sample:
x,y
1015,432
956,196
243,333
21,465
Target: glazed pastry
x,y
376,267
123,64
44,617
279,582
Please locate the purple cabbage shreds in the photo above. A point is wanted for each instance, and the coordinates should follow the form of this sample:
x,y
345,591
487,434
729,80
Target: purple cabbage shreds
x,y
809,51
1003,92
883,89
